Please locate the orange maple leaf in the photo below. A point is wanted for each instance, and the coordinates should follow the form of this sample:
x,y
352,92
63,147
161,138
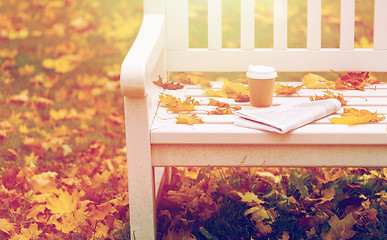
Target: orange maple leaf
x,y
281,89
327,95
220,111
220,104
352,81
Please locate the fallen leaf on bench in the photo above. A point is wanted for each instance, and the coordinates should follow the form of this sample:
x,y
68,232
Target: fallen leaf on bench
x,y
239,92
353,116
327,95
220,111
352,81
189,119
222,107
168,85
281,89
314,81
176,105
192,79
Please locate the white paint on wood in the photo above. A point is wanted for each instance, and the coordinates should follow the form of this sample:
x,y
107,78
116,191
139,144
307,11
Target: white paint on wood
x,y
247,24
177,24
313,40
290,60
347,24
214,24
280,19
269,155
380,25
140,170
141,60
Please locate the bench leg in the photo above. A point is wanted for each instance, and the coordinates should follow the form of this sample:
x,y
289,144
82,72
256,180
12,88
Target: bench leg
x,y
140,170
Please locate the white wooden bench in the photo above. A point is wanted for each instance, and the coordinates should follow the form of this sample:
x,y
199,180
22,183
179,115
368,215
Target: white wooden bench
x,y
162,46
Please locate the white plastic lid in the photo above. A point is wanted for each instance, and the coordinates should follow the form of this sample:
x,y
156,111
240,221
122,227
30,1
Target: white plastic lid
x,y
261,72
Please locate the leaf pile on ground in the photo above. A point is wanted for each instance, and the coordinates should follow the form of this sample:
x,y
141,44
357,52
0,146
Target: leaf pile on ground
x,y
62,146
274,203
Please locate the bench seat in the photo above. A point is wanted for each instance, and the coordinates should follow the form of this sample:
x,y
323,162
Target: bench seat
x,y
317,144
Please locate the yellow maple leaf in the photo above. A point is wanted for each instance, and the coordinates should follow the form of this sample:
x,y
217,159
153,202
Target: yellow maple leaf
x,y
314,81
340,229
6,226
250,198
65,222
192,79
353,116
189,119
35,211
239,92
64,203
101,230
258,214
32,232
176,105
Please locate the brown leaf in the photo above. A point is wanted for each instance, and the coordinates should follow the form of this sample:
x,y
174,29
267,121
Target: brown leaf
x,y
168,85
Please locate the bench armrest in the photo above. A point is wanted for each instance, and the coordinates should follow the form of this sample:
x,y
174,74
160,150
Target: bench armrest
x,y
138,65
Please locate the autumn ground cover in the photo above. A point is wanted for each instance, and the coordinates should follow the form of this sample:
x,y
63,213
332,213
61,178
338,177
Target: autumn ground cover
x,y
62,147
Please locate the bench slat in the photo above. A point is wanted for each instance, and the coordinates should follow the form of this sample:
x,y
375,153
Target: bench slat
x,y
177,24
214,24
347,25
375,101
289,60
380,29
247,24
231,134
280,18
311,92
268,155
314,25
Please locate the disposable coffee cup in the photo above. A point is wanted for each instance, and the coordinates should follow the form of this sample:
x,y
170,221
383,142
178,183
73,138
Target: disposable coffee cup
x,y
261,85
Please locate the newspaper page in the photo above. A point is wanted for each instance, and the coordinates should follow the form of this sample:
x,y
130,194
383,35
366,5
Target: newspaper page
x,y
285,118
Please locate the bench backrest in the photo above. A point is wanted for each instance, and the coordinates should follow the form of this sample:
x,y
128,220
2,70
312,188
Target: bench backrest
x,y
179,57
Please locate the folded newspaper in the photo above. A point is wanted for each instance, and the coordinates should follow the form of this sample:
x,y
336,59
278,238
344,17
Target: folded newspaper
x,y
286,117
